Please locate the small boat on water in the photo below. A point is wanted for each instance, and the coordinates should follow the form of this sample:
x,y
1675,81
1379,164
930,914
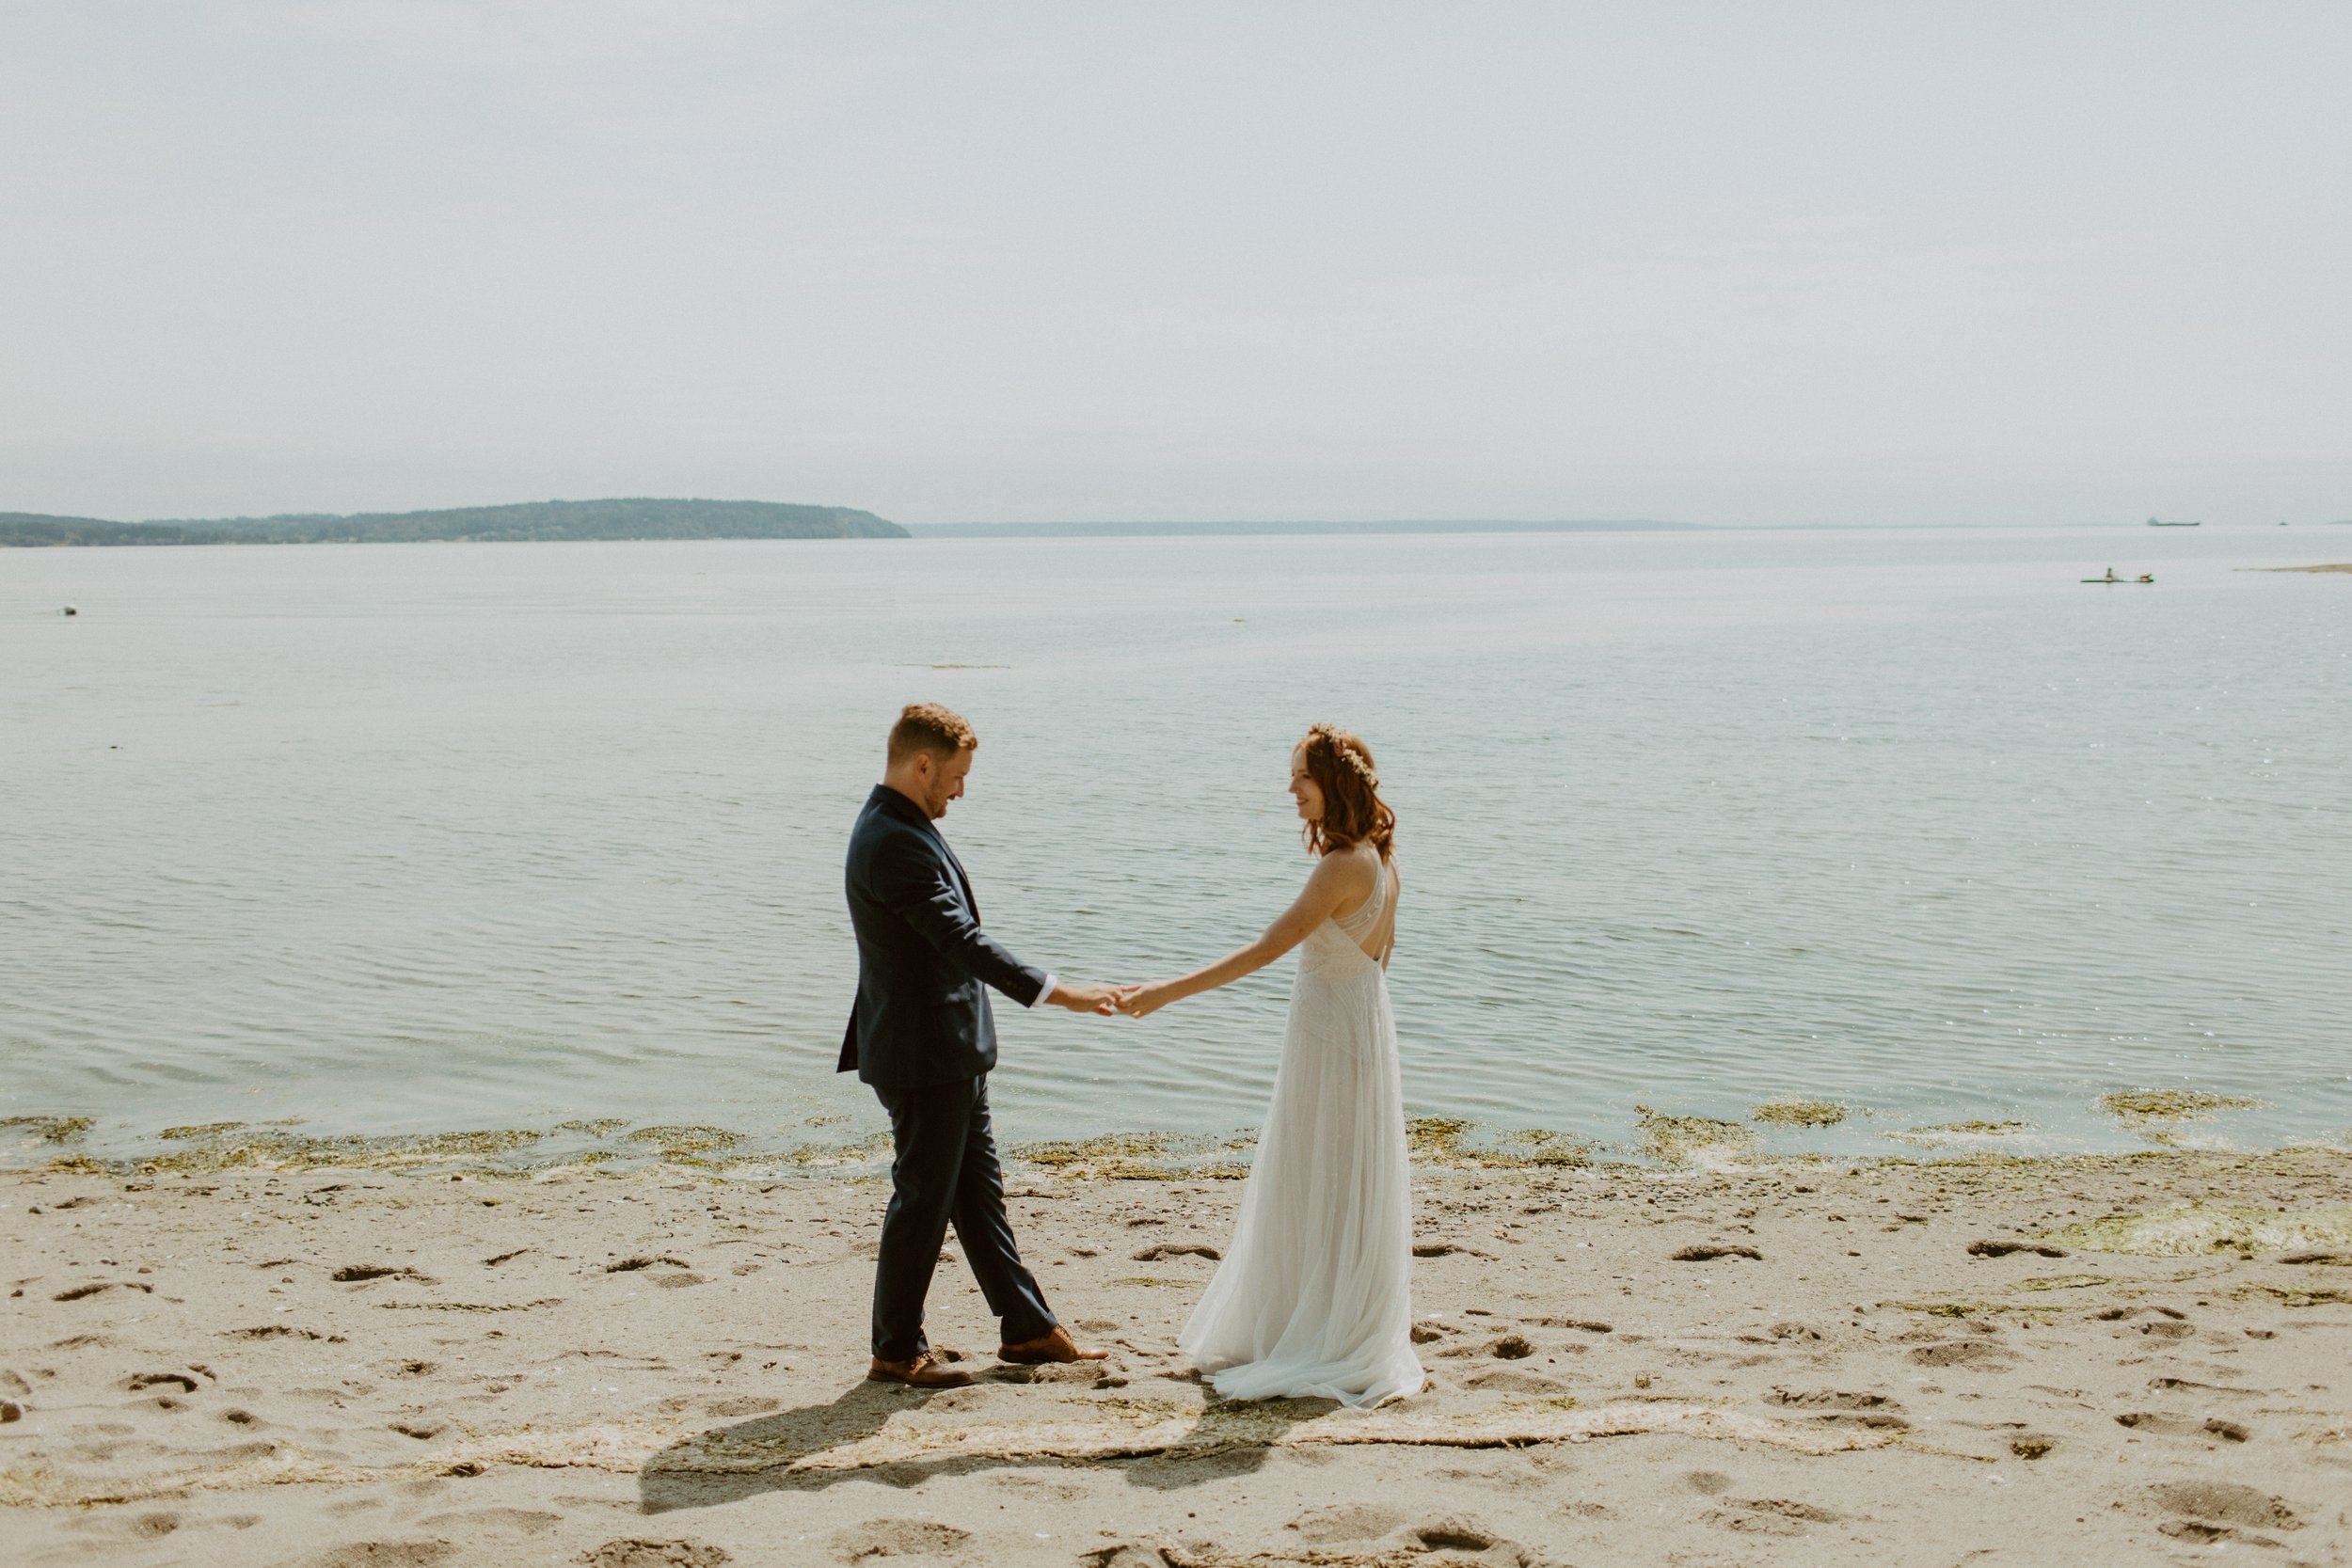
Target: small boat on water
x,y
2157,522
2112,578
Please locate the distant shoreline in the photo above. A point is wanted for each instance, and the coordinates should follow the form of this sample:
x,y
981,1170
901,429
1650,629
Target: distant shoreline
x,y
641,519
636,518
1225,530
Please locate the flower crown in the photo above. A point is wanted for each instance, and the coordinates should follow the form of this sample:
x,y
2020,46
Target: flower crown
x,y
1330,736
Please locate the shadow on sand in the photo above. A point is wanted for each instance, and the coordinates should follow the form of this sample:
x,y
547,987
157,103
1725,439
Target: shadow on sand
x,y
1225,1440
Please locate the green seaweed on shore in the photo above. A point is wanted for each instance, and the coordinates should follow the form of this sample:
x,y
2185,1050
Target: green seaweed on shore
x,y
1062,1155
596,1127
50,1130
1535,1148
198,1130
1685,1140
1442,1141
674,1142
232,1145
858,1152
1958,1132
1129,1157
1437,1138
2200,1231
1800,1113
2141,1107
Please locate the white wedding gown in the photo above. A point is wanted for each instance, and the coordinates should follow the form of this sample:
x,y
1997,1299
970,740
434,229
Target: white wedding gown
x,y
1314,1299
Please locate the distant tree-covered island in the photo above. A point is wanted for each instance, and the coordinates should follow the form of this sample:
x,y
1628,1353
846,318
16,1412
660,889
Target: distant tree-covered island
x,y
636,518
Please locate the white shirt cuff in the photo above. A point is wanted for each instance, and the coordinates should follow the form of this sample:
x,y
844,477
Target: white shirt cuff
x,y
1046,991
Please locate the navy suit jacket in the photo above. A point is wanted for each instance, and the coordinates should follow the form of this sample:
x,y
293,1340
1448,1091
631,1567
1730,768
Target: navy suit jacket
x,y
922,1014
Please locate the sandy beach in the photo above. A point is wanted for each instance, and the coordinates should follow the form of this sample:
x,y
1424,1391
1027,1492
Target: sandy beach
x,y
1974,1360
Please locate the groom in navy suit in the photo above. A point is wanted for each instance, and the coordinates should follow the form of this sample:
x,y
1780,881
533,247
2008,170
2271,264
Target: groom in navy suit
x,y
922,1035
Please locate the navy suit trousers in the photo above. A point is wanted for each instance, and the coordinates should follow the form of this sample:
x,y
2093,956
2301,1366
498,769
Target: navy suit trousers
x,y
944,1171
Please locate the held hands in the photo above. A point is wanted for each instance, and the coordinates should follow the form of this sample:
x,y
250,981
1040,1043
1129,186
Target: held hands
x,y
1143,1001
1105,1000
1085,999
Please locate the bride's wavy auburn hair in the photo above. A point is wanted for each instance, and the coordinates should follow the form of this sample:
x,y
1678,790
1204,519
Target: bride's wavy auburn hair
x,y
1352,812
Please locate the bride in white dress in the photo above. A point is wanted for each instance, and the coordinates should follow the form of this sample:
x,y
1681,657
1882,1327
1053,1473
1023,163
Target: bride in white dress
x,y
1313,1297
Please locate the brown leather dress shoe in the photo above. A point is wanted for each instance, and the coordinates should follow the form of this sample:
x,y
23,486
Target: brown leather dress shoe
x,y
925,1372
1057,1346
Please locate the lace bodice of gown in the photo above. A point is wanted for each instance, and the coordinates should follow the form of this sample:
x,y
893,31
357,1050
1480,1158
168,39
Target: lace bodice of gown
x,y
1337,944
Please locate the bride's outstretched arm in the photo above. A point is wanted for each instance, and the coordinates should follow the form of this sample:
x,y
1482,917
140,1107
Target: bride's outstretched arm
x,y
1327,885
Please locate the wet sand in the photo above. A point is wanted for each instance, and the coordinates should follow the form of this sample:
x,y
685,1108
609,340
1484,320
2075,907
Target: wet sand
x,y
1940,1362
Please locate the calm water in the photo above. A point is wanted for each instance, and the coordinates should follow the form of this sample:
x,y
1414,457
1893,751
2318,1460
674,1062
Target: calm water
x,y
427,837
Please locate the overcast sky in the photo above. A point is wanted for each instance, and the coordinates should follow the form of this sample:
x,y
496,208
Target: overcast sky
x,y
1907,263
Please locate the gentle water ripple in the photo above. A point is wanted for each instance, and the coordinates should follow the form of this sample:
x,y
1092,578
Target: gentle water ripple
x,y
399,838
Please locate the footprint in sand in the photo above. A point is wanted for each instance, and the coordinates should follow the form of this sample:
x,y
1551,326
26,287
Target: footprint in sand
x,y
2213,1429
1771,1516
633,1553
1334,1526
1506,1347
529,1521
1959,1352
1828,1399
2184,1385
1838,1406
2216,1510
384,1554
898,1538
139,1382
1458,1533
1512,1380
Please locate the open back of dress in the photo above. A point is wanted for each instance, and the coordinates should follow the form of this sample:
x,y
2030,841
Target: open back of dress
x,y
1314,1297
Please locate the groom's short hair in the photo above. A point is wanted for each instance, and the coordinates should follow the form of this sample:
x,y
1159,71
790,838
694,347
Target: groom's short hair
x,y
928,727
